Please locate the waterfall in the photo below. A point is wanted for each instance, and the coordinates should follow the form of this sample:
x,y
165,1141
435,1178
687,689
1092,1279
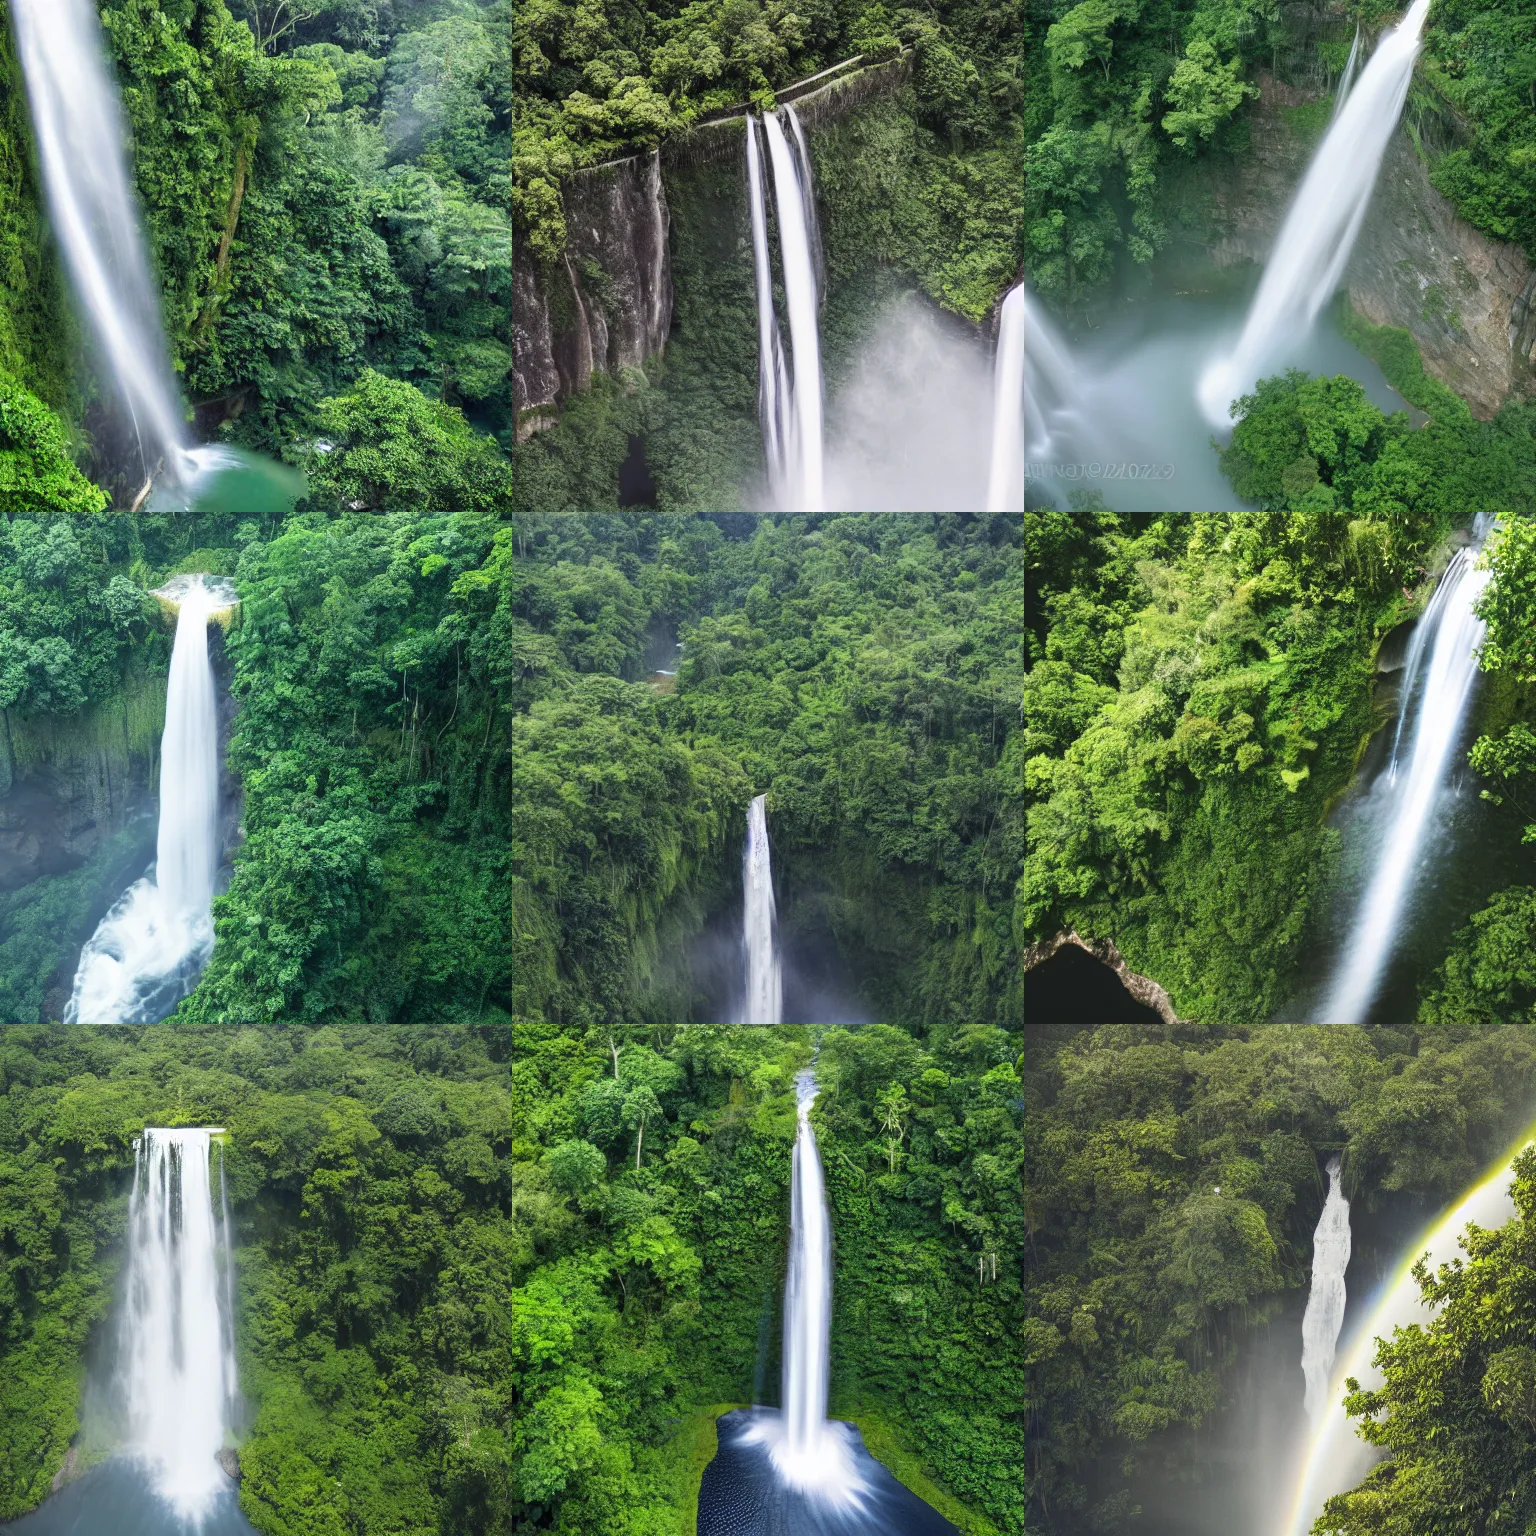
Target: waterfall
x,y
773,383
1325,1301
789,401
1347,78
149,949
765,992
809,1453
1336,1457
1322,223
1005,481
176,1359
80,133
1453,633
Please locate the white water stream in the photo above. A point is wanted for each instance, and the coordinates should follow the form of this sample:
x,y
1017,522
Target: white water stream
x,y
177,1368
1005,479
1319,232
80,133
765,989
1347,79
811,1454
1324,1316
1429,729
789,397
150,948
1336,1458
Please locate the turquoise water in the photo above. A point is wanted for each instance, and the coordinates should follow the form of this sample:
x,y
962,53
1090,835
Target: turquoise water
x,y
231,480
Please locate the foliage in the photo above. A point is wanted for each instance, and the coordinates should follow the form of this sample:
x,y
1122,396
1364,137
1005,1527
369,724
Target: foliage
x,y
859,670
388,448
369,1192
644,1285
330,198
1483,62
1197,689
1457,1404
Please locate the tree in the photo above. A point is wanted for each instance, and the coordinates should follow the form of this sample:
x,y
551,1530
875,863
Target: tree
x,y
891,1107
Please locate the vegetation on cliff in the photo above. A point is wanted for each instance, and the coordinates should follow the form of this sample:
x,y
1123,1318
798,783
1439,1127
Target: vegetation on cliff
x,y
862,671
600,78
370,1193
649,1245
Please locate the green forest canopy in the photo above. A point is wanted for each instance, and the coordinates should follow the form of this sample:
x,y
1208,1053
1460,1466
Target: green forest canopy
x,y
370,1194
372,669
862,671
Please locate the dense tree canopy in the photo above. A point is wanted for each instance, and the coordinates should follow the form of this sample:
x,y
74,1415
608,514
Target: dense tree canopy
x,y
649,1252
369,1189
863,671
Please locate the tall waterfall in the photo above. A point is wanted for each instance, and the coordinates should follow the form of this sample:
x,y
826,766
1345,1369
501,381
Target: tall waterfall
x,y
765,991
1325,1301
1005,480
1336,1457
1452,634
810,1454
789,400
1325,217
176,1358
80,134
149,949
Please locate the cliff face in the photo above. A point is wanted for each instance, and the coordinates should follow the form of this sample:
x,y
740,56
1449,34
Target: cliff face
x,y
1469,301
608,306
68,785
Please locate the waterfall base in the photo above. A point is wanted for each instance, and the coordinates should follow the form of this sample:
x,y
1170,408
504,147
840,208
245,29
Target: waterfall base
x,y
744,1495
118,1496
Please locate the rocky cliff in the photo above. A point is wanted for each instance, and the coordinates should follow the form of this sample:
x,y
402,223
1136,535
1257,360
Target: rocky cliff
x,y
1469,301
67,785
608,304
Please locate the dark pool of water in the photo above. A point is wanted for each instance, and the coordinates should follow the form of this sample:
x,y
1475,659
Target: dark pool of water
x,y
742,1496
1073,987
115,1499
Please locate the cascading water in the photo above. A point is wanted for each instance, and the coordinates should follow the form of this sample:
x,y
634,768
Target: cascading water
x,y
1005,480
1325,1301
176,1357
80,133
150,948
765,991
1453,633
1336,1458
1320,229
1054,408
790,401
810,1454
773,380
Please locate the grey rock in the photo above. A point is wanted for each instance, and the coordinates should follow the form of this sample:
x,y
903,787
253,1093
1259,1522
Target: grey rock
x,y
1467,299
